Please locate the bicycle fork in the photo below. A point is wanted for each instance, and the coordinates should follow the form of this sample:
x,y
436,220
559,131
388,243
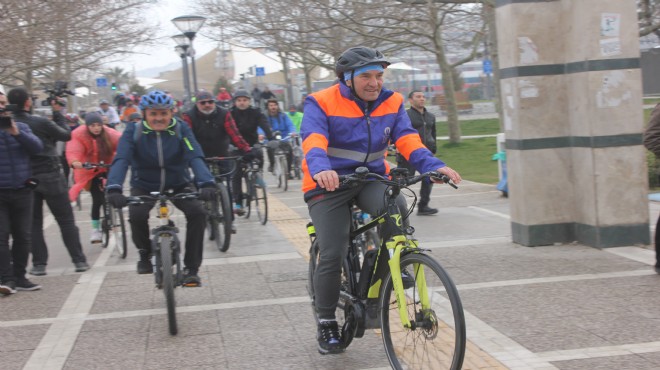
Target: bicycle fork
x,y
394,246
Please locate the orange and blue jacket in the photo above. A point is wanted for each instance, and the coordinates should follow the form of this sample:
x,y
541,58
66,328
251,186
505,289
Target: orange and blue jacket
x,y
342,133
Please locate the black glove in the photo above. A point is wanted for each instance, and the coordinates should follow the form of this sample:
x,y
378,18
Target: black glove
x,y
116,198
252,154
207,193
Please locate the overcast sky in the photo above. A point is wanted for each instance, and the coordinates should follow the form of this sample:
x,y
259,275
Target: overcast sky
x,y
163,53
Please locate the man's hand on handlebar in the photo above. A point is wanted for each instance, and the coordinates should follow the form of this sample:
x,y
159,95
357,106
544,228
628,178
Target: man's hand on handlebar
x,y
453,175
328,180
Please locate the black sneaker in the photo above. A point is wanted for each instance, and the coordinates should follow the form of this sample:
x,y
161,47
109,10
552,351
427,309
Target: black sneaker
x,y
426,211
81,266
38,270
26,285
328,336
144,267
8,287
190,279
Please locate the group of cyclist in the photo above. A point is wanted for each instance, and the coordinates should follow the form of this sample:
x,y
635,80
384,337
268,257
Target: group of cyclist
x,y
345,126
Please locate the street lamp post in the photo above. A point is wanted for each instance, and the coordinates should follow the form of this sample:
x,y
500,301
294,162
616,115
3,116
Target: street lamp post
x,y
182,47
189,25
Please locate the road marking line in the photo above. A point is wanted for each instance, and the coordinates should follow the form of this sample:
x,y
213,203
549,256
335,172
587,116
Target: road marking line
x,y
555,279
56,345
494,213
593,352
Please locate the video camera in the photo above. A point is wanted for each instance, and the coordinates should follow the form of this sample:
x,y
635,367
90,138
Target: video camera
x,y
5,120
59,90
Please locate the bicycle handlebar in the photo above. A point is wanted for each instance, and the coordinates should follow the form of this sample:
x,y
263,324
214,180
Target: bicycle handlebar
x,y
140,199
91,166
362,174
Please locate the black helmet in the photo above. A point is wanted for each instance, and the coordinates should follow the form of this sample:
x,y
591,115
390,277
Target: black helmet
x,y
356,57
242,94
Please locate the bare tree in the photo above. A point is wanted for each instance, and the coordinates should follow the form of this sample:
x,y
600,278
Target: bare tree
x,y
55,39
648,12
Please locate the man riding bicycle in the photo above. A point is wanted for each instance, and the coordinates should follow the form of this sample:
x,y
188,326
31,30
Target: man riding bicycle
x,y
248,120
213,128
346,126
282,123
159,156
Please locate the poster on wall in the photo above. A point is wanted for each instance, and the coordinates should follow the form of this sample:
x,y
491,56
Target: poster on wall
x,y
610,24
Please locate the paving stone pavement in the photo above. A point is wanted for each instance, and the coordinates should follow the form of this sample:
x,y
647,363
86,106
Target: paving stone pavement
x,y
555,307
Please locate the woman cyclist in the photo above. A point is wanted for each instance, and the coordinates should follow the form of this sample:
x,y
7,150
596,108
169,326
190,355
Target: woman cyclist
x,y
92,143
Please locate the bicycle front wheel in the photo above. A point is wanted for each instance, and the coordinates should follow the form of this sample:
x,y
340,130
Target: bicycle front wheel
x,y
106,224
166,247
223,236
436,337
284,174
260,198
119,231
248,195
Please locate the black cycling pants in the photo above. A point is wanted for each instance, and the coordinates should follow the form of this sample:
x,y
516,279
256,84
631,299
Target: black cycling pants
x,y
331,215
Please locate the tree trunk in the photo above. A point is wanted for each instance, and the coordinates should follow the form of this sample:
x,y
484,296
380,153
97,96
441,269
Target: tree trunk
x,y
448,87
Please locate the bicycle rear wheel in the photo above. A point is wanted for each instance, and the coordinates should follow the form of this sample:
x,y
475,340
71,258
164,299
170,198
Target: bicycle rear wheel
x,y
437,337
166,246
343,313
119,231
106,224
260,198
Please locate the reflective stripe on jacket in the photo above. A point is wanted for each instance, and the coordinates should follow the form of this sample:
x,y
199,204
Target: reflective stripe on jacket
x,y
340,133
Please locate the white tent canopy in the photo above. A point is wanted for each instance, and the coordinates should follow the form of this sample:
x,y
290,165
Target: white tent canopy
x,y
403,67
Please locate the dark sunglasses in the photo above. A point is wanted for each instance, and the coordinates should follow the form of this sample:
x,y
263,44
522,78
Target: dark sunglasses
x,y
206,102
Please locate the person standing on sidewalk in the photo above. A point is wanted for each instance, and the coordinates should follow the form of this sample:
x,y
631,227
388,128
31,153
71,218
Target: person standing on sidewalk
x,y
53,187
652,143
424,123
17,143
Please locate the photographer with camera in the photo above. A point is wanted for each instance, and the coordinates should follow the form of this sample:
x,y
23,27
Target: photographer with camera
x,y
53,187
17,143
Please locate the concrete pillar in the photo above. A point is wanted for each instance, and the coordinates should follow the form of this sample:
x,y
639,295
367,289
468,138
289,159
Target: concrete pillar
x,y
572,108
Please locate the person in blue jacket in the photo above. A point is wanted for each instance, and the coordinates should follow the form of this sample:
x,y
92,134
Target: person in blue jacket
x,y
17,143
159,157
281,122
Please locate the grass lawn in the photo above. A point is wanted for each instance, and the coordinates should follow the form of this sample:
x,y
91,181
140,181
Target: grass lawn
x,y
471,158
489,126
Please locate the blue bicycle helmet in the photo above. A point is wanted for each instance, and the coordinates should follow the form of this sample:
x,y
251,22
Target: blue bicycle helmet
x,y
156,100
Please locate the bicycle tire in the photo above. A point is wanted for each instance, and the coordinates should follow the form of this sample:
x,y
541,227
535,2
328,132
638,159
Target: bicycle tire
x,y
166,242
247,196
443,346
260,198
223,236
106,224
119,231
285,174
277,171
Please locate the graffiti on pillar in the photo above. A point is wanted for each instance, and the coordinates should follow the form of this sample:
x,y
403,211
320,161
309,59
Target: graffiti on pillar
x,y
509,104
613,92
528,50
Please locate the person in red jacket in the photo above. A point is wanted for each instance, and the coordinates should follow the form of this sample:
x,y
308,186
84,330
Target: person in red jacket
x,y
346,126
93,143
